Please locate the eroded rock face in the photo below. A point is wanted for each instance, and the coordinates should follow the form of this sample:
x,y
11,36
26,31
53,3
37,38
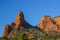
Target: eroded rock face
x,y
18,24
57,20
7,30
44,21
49,25
19,19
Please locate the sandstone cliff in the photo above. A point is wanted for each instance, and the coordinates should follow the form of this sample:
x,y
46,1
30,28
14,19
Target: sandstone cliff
x,y
50,25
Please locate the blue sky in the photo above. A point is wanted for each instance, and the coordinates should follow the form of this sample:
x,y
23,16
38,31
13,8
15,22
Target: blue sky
x,y
33,10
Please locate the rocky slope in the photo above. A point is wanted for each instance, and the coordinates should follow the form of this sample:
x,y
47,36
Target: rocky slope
x,y
47,26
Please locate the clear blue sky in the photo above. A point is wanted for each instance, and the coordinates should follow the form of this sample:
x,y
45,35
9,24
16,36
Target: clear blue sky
x,y
33,10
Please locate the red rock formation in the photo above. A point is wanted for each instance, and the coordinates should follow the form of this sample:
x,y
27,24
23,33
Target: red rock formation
x,y
44,21
19,19
18,23
57,20
48,24
6,30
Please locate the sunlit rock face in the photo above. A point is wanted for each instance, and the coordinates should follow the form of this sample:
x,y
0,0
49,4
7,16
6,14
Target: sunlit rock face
x,y
49,24
45,22
57,20
19,19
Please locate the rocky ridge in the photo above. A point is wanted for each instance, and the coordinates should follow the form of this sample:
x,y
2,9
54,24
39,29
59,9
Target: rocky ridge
x,y
47,24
